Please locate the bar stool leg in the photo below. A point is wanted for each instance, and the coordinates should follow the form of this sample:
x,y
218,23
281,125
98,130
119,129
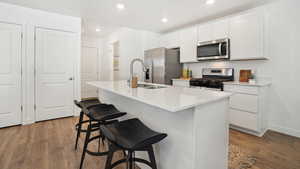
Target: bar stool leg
x,y
87,137
152,157
99,141
79,129
130,160
110,156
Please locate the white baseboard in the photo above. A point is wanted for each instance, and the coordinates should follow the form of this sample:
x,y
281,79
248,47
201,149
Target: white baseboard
x,y
27,122
285,130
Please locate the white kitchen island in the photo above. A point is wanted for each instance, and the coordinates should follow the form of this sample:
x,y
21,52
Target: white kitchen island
x,y
195,120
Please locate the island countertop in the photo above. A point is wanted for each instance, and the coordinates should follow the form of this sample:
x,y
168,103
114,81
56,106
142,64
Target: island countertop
x,y
171,98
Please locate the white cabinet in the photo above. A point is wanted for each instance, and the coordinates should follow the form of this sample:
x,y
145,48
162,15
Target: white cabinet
x,y
213,31
170,40
220,29
248,108
188,45
180,83
205,32
246,36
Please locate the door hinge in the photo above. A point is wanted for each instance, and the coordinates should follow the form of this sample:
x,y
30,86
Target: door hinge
x,y
22,35
21,108
34,106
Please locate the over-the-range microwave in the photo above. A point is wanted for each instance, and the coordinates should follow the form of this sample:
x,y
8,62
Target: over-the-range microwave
x,y
213,50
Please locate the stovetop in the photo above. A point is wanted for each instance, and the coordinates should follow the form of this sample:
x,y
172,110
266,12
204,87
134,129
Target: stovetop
x,y
213,78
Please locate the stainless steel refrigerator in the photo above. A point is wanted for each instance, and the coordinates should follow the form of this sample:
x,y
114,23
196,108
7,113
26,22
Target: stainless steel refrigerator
x,y
163,65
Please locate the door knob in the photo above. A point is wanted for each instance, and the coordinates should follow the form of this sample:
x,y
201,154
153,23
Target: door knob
x,y
71,78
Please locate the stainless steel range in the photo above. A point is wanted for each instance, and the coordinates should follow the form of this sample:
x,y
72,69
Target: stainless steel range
x,y
213,78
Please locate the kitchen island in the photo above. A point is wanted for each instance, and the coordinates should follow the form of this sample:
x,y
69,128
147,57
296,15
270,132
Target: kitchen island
x,y
195,120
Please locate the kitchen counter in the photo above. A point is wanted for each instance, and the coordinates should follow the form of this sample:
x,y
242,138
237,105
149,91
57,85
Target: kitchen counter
x,y
181,79
170,98
259,83
196,121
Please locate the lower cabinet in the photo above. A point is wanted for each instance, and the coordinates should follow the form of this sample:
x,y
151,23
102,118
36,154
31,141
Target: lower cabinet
x,y
244,119
181,83
248,108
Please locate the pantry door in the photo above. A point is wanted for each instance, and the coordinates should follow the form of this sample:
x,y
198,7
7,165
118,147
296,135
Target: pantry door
x,y
10,74
89,71
55,58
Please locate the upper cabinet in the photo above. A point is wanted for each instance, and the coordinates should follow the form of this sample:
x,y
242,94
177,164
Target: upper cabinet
x,y
245,31
205,32
247,36
220,29
188,45
213,30
170,40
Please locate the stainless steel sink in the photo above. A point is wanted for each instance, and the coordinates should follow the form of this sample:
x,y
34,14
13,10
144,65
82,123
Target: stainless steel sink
x,y
149,86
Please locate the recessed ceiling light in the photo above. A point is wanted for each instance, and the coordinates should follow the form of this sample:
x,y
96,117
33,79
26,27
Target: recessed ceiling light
x,y
209,2
164,20
98,30
120,6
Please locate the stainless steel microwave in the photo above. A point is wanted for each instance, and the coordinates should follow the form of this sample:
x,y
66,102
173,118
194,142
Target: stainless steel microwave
x,y
213,50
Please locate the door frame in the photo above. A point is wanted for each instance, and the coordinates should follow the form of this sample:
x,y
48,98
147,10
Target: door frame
x,y
76,72
98,61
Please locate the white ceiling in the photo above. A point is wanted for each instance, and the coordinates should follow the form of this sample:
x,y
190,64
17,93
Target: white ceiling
x,y
140,14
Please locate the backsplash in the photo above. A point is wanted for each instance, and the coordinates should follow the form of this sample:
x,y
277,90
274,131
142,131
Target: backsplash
x,y
260,67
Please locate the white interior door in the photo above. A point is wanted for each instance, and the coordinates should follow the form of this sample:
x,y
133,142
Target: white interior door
x,y
55,58
89,71
10,74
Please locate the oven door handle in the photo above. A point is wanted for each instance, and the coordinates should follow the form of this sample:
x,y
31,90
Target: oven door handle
x,y
220,49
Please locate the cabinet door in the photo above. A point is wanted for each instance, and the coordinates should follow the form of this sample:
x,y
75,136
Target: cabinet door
x,y
181,83
205,32
244,102
220,29
244,119
246,34
188,45
170,40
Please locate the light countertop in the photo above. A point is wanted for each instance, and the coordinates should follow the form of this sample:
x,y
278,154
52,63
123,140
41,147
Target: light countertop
x,y
171,98
259,83
181,79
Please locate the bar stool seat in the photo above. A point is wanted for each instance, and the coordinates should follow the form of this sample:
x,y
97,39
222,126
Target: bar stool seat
x,y
83,104
131,135
102,114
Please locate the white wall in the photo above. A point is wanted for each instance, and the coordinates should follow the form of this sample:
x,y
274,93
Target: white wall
x,y
282,47
29,19
132,45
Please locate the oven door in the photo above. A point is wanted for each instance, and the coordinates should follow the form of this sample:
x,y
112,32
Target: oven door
x,y
213,50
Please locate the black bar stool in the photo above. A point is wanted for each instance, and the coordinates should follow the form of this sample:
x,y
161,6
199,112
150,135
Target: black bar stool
x,y
84,103
130,135
103,114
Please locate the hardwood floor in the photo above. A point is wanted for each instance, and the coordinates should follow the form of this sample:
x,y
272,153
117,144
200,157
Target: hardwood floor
x,y
50,145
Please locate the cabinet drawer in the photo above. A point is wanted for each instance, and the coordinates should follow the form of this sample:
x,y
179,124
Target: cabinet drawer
x,y
182,83
244,102
241,89
243,119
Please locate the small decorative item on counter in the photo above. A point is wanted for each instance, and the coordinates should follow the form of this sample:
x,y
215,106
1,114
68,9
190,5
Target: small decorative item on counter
x,y
252,78
245,75
134,82
186,73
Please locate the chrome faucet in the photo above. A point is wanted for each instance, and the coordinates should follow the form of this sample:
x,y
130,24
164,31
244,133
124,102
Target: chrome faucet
x,y
131,68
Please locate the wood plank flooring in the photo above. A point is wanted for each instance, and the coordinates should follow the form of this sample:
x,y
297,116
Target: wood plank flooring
x,y
50,145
